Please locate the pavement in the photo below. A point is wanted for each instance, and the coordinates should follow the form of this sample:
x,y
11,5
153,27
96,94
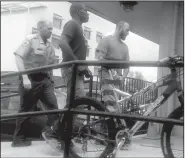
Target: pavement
x,y
141,147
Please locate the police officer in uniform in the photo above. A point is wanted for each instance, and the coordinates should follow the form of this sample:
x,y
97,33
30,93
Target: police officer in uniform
x,y
35,51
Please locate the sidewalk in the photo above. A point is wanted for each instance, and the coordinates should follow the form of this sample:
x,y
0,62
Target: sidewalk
x,y
141,147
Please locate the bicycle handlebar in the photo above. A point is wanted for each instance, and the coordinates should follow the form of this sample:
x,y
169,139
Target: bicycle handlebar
x,y
173,60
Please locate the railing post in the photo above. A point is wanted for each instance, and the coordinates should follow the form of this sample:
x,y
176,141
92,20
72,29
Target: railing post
x,y
69,114
90,86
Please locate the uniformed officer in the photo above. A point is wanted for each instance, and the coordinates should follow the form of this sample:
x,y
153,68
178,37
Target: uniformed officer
x,y
35,51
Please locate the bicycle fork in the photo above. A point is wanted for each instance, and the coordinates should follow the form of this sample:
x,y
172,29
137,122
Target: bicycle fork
x,y
151,109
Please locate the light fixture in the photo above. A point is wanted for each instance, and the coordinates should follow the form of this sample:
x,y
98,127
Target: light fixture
x,y
128,5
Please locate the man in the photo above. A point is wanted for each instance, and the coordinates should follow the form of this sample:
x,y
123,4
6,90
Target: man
x,y
112,47
34,52
74,47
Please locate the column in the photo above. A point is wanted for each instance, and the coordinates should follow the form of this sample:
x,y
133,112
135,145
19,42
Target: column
x,y
169,28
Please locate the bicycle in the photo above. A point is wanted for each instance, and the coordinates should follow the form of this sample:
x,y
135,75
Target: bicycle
x,y
108,133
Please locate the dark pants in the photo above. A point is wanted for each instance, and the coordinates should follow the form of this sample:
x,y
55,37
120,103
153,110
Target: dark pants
x,y
43,90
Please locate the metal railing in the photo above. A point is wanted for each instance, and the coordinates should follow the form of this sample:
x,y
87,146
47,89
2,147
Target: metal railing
x,y
131,86
70,111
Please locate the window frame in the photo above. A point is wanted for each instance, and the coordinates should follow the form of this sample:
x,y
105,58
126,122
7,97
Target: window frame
x,y
57,17
100,35
34,29
88,51
87,29
56,37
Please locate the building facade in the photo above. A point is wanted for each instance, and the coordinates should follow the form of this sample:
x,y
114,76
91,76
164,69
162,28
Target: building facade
x,y
20,19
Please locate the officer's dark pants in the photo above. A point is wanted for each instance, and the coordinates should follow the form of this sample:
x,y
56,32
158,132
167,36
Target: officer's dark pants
x,y
43,90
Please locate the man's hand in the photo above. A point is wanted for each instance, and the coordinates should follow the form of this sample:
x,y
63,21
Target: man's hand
x,y
88,73
81,68
119,77
84,70
26,82
123,79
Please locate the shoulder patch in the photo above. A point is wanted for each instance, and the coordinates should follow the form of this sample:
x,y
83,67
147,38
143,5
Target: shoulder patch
x,y
32,36
25,43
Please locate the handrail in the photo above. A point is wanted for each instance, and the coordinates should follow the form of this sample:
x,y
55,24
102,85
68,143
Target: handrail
x,y
17,93
95,113
134,117
109,64
33,113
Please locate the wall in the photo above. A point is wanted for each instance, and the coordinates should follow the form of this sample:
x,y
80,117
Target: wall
x,y
23,22
171,33
13,30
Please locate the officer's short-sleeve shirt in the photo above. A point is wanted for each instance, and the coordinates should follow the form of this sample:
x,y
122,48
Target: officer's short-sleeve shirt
x,y
35,52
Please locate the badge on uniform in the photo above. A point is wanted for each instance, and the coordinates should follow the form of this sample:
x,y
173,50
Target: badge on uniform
x,y
25,43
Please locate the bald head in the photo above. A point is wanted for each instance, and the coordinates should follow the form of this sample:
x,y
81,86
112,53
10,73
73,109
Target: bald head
x,y
122,24
75,8
45,28
43,23
78,11
122,29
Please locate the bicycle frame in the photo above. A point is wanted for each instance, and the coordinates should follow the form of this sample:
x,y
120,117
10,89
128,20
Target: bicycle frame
x,y
172,83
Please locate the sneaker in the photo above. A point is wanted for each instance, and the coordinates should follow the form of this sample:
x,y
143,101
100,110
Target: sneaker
x,y
51,138
21,142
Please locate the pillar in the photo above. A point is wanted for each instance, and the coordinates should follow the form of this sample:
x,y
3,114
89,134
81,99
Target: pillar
x,y
171,42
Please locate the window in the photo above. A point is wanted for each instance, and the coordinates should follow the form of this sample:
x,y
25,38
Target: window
x,y
57,58
34,30
97,53
99,36
57,21
55,41
88,50
87,33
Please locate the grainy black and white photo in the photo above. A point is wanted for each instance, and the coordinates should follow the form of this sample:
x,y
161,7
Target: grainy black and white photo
x,y
92,79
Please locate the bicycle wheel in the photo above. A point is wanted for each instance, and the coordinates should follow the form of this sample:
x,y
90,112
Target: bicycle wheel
x,y
172,145
91,139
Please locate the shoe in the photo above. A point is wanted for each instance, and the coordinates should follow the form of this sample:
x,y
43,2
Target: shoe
x,y
21,142
51,138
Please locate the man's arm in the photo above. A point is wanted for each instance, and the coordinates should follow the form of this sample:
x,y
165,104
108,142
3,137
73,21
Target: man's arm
x,y
126,71
64,45
52,58
102,49
68,33
20,54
